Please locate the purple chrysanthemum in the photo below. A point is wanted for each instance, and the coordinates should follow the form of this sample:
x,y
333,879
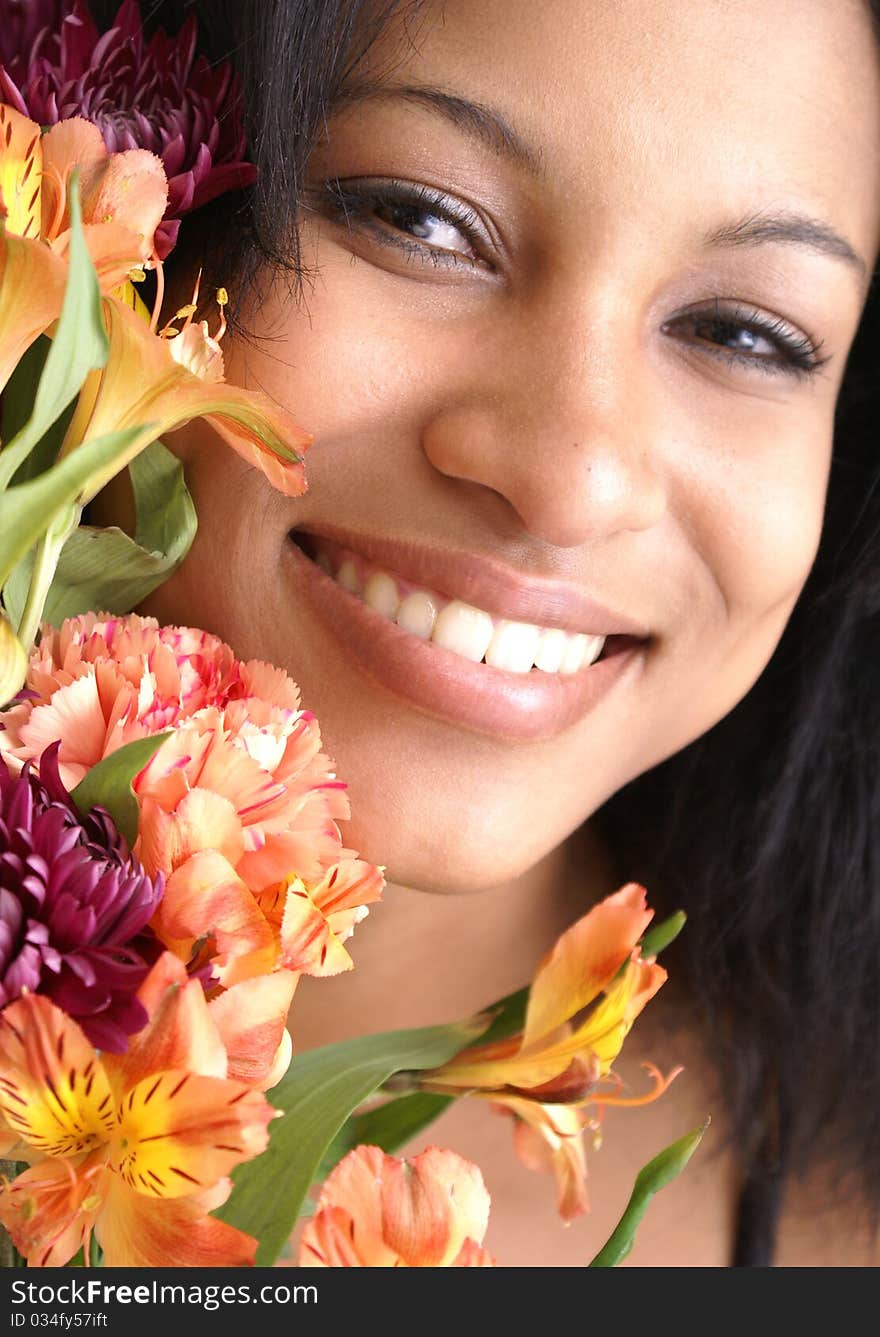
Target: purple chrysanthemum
x,y
74,905
54,64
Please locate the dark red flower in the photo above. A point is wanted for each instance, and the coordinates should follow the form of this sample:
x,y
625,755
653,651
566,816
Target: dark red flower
x,y
74,905
156,95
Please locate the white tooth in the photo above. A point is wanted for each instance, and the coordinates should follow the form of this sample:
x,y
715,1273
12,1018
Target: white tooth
x,y
380,592
551,648
464,629
347,577
513,646
595,646
575,651
323,561
417,614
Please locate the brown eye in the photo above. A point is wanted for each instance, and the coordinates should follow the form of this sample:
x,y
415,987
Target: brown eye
x,y
427,225
748,337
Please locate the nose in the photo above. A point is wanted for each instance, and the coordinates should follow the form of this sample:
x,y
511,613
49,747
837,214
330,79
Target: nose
x,y
567,437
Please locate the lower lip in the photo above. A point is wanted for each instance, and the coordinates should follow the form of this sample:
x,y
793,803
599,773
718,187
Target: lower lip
x,y
510,705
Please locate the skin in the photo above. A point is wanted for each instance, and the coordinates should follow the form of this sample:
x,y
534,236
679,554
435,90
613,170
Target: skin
x,y
555,404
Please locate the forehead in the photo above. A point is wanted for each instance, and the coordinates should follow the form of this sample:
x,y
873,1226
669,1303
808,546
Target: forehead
x,y
637,102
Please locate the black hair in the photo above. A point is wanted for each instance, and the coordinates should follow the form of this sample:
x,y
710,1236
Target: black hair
x,y
771,818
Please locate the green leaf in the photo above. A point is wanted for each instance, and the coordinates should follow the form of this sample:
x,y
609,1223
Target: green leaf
x,y
20,390
108,570
80,345
651,1178
509,1016
657,939
108,784
28,509
320,1091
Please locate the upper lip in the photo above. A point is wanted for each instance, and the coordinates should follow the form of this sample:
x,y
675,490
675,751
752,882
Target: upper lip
x,y
483,581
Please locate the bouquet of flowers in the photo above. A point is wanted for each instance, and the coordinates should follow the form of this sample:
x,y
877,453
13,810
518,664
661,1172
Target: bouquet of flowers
x,y
171,848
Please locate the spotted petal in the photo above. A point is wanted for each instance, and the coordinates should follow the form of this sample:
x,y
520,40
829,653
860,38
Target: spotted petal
x,y
21,172
49,1211
54,1092
179,1133
317,920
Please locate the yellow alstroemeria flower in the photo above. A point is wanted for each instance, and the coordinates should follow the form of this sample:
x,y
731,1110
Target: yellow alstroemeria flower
x,y
136,1147
584,998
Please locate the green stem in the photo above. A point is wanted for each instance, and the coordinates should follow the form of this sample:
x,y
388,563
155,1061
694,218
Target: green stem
x,y
48,551
9,1255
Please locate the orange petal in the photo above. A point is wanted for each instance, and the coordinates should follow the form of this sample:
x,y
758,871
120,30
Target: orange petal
x,y
204,898
353,1186
251,1018
54,1092
605,1029
32,283
68,144
143,385
75,716
203,820
130,189
179,1133
432,1206
551,1137
308,943
347,886
417,1214
21,172
329,1240
318,919
473,1255
585,960
44,1211
180,1034
137,1231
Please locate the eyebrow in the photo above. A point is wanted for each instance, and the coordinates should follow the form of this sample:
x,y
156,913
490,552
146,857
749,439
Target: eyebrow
x,y
795,229
481,122
492,128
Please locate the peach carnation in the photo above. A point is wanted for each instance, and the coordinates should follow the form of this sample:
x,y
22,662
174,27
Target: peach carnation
x,y
239,807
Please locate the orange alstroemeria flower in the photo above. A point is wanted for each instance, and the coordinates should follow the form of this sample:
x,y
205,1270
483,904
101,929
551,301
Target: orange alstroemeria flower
x,y
122,195
375,1210
585,996
136,1147
122,198
143,384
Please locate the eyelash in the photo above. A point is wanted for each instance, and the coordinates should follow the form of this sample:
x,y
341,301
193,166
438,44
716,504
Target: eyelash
x,y
798,354
349,203
358,203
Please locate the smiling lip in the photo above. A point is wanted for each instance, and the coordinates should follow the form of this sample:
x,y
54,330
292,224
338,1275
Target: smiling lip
x,y
487,584
528,706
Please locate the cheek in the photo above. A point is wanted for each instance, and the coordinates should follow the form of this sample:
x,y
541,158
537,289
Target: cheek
x,y
760,519
343,359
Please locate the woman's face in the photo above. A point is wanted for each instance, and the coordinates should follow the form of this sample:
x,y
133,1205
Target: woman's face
x,y
583,290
